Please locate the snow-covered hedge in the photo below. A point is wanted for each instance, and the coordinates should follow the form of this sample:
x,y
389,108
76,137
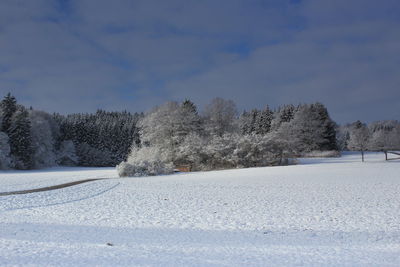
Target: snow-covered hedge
x,y
146,161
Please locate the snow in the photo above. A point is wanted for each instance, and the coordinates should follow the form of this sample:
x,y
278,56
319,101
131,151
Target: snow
x,y
13,180
322,212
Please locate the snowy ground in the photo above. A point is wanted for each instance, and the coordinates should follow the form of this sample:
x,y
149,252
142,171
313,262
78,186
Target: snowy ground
x,y
329,212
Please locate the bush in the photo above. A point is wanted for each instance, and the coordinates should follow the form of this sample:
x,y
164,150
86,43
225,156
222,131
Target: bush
x,y
146,161
143,168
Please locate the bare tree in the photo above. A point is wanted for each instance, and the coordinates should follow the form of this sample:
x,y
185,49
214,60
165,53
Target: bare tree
x,y
220,116
359,138
385,136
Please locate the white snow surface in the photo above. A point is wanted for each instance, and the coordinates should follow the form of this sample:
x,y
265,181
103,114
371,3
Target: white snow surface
x,y
322,212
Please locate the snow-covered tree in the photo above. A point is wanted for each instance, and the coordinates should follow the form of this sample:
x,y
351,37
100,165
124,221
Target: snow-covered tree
x,y
43,133
220,117
342,136
92,156
359,138
8,106
168,125
312,129
263,121
145,161
5,160
191,152
245,122
219,151
163,131
385,136
283,114
66,154
103,134
257,150
21,140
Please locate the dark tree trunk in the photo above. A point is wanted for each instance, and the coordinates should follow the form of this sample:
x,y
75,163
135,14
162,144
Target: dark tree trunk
x,y
362,155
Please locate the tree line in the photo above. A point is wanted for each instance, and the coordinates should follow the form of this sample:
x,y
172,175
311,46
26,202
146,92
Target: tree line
x,y
33,139
176,135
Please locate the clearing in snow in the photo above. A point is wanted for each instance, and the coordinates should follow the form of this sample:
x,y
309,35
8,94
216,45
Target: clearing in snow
x,y
330,212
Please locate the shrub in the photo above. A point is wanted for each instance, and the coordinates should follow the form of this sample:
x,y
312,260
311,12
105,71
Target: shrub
x,y
145,161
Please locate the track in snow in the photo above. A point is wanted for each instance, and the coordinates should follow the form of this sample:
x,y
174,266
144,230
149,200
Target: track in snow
x,y
49,188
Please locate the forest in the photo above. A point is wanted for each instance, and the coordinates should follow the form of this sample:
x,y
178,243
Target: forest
x,y
176,135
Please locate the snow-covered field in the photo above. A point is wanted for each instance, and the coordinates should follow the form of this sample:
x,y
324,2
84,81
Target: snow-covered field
x,y
329,212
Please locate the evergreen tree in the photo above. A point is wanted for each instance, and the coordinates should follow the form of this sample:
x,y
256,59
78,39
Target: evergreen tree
x,y
328,132
8,107
283,114
245,123
263,121
190,119
20,139
254,116
44,132
5,160
312,129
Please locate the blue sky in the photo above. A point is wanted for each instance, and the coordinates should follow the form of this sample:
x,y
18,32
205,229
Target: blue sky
x,y
81,55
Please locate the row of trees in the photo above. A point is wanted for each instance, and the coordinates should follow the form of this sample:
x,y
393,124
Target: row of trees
x,y
175,134
100,139
31,139
377,136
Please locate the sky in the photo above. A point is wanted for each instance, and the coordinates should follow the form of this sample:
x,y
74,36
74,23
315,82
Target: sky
x,y
82,55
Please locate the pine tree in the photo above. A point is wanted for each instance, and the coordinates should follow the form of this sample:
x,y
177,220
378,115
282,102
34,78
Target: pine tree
x,y
20,139
8,107
245,123
328,128
283,114
287,113
264,120
5,160
254,116
190,117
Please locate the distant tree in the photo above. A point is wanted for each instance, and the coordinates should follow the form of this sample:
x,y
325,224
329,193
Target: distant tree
x,y
328,127
21,140
220,117
109,134
187,120
283,114
359,138
166,127
191,152
44,131
312,129
256,121
385,136
263,121
66,154
342,136
145,161
5,160
8,107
